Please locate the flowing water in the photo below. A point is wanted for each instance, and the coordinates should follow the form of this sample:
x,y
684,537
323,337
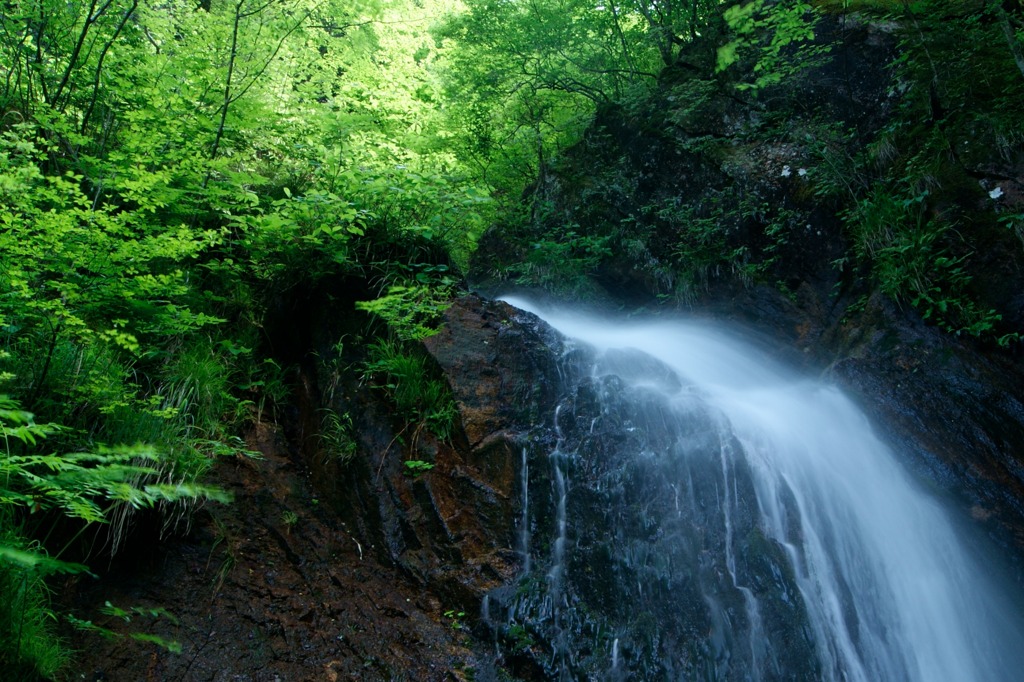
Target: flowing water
x,y
711,515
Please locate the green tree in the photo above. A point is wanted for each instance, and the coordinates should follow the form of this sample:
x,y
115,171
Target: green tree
x,y
536,69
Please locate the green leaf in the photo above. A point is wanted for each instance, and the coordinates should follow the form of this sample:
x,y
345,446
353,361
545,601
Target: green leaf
x,y
39,561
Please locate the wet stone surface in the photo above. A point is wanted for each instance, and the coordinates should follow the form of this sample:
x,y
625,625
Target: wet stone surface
x,y
644,538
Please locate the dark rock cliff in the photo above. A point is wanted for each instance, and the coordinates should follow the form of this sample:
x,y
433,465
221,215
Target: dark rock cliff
x,y
452,528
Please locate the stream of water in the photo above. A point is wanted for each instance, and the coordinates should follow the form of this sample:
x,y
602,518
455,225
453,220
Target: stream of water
x,y
887,587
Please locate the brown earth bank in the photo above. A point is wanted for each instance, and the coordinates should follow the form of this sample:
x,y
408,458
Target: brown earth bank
x,y
270,587
328,570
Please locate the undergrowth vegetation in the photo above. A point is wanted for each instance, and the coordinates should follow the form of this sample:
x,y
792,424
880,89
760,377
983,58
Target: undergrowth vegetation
x,y
421,398
37,489
736,171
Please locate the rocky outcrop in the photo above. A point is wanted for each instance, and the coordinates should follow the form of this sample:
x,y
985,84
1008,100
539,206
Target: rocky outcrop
x,y
955,412
634,514
357,570
500,363
450,528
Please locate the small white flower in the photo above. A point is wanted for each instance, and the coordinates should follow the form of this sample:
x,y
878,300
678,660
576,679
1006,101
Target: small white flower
x,y
996,193
802,172
785,171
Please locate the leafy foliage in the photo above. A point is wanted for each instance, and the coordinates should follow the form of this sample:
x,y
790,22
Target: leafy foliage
x,y
171,171
29,644
411,312
562,260
420,400
88,487
924,202
128,615
528,76
783,35
336,437
166,170
417,467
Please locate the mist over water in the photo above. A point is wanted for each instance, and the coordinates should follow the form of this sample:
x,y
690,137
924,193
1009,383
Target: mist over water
x,y
888,588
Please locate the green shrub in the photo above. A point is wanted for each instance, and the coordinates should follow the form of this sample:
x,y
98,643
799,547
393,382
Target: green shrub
x,y
562,261
29,645
420,400
336,437
412,312
911,258
84,487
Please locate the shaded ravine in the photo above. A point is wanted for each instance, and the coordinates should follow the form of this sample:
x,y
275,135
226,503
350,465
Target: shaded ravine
x,y
323,569
704,515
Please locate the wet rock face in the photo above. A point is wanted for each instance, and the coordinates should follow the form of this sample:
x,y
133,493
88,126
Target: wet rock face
x,y
595,536
954,407
952,410
500,363
643,542
452,528
956,414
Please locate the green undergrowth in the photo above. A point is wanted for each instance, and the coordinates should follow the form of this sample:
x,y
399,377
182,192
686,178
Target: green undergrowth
x,y
41,490
925,206
29,644
397,364
420,396
729,176
914,258
170,175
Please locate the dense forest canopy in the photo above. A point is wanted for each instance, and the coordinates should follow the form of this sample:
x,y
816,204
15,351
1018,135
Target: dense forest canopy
x,y
168,168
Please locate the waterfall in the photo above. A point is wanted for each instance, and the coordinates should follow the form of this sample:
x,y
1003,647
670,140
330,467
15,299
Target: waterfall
x,y
524,529
730,520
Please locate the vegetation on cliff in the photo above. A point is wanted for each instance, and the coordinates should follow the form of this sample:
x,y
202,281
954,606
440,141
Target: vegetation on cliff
x,y
876,140
171,172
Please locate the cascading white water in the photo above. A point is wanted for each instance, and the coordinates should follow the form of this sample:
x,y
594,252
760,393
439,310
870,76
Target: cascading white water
x,y
889,589
555,575
524,530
